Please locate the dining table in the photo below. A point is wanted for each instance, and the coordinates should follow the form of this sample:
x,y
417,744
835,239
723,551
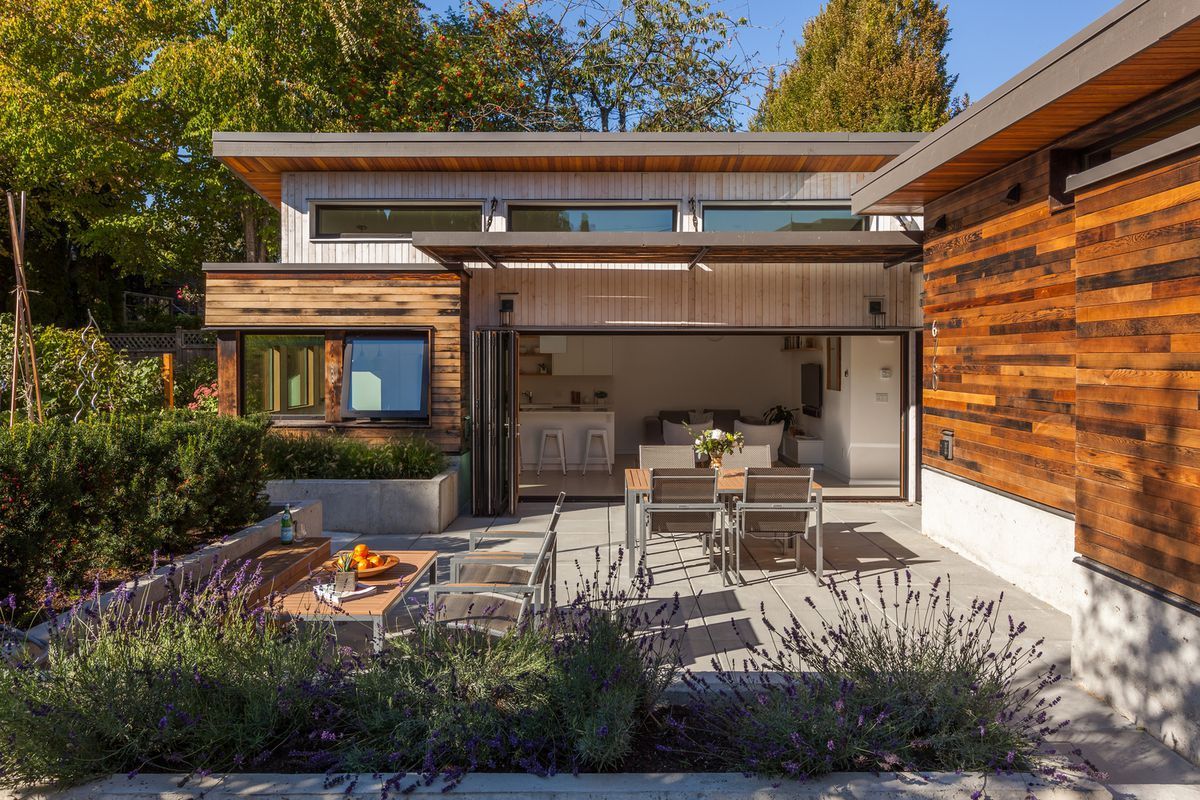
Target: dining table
x,y
731,482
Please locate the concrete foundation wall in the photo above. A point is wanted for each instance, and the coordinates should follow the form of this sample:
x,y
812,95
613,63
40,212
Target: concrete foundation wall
x,y
1141,654
378,506
1023,544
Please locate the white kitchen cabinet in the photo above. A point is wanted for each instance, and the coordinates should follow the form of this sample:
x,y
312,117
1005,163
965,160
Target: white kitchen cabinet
x,y
597,355
585,355
570,360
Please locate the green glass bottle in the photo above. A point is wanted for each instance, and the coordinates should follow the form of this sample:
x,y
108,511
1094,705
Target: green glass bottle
x,y
287,531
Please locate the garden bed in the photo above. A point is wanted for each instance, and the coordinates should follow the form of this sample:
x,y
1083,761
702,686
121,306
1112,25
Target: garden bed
x,y
413,506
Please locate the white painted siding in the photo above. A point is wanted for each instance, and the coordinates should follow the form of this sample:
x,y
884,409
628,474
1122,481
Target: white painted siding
x,y
765,295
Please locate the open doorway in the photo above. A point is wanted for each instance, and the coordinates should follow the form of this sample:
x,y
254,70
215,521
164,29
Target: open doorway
x,y
589,393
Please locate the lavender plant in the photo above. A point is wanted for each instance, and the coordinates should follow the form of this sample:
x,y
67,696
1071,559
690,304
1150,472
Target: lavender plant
x,y
205,682
896,678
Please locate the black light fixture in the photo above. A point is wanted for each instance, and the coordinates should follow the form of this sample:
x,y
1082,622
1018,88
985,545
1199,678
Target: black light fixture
x,y
508,304
877,311
1013,196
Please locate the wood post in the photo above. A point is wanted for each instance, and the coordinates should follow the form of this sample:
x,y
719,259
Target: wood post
x,y
228,368
168,378
335,347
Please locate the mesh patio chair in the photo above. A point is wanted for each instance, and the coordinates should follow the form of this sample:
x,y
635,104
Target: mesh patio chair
x,y
493,590
752,455
683,502
775,506
659,456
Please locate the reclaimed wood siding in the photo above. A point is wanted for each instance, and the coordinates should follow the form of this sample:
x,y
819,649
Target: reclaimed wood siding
x,y
737,295
345,301
1000,285
1138,427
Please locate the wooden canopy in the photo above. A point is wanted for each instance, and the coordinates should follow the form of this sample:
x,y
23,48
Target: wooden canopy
x,y
498,248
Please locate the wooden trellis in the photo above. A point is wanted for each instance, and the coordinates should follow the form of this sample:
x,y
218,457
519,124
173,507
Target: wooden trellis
x,y
24,353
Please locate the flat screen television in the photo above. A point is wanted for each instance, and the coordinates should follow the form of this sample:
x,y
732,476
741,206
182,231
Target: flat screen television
x,y
810,389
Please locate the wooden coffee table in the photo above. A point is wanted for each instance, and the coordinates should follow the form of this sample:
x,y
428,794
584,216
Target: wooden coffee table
x,y
393,587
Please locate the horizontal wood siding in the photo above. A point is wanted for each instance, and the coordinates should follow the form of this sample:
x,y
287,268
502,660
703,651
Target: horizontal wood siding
x,y
740,295
1000,286
347,301
1138,439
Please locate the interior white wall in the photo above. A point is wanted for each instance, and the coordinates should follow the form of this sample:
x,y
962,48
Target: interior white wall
x,y
874,443
653,373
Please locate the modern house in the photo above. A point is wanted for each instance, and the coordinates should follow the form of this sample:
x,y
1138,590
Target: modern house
x,y
1062,346
999,319
505,295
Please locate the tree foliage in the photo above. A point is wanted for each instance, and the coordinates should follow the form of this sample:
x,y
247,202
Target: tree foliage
x,y
866,65
107,107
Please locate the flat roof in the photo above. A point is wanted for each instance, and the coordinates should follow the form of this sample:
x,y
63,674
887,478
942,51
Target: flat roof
x,y
732,247
260,158
1136,49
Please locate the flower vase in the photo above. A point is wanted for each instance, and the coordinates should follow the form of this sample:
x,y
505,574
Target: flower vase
x,y
715,460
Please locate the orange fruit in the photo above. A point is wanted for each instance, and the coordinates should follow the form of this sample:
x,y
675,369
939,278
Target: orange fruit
x,y
375,561
361,551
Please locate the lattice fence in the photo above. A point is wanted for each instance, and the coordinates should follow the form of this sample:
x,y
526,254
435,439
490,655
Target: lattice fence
x,y
185,344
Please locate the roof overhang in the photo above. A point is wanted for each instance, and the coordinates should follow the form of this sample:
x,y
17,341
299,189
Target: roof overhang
x,y
691,248
1135,50
260,158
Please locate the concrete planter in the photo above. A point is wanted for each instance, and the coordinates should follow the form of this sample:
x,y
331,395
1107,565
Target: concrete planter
x,y
378,506
629,786
152,586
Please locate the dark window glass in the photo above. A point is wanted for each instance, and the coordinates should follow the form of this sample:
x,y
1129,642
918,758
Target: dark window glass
x,y
1163,128
782,218
283,374
337,221
637,219
387,376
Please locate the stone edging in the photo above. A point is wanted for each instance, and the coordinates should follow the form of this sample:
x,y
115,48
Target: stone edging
x,y
649,786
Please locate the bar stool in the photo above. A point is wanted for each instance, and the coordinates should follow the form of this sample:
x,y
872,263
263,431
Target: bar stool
x,y
557,435
592,435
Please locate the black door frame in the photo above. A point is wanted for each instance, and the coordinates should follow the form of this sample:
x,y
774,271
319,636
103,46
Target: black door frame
x,y
494,402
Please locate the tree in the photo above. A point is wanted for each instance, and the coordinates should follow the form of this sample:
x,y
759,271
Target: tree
x,y
866,65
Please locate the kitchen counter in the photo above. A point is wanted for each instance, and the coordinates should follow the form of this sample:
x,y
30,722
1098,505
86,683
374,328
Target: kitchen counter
x,y
564,407
575,422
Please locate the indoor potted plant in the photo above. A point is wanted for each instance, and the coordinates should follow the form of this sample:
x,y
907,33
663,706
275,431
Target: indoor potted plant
x,y
782,414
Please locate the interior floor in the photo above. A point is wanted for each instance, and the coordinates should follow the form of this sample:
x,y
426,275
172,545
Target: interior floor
x,y
597,484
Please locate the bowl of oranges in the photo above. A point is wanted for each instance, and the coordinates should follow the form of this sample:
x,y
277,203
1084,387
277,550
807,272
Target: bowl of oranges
x,y
366,563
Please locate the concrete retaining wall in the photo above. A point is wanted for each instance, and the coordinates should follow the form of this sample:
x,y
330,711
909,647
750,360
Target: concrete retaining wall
x,y
1022,544
1141,654
677,786
378,506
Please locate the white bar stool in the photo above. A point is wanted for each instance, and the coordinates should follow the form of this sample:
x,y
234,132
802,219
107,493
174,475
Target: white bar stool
x,y
561,440
592,435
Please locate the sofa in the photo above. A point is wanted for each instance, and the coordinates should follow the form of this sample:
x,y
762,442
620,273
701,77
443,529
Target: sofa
x,y
721,418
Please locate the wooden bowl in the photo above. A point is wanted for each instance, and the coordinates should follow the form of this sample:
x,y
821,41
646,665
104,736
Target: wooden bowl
x,y
389,561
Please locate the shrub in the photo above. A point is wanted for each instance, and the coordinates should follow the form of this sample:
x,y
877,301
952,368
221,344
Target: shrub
x,y
335,456
201,683
107,493
191,376
79,374
900,680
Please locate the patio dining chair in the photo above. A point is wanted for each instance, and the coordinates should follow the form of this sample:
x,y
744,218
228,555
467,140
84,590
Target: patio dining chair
x,y
775,506
683,502
493,590
752,455
660,456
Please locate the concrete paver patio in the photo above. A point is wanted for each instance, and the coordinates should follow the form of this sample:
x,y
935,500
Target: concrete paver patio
x,y
876,539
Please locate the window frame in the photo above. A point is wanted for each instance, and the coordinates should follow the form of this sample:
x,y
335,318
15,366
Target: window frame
x,y
675,206
317,378
827,204
1087,153
316,204
400,334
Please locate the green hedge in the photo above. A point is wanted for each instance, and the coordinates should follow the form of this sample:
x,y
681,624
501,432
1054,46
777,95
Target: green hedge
x,y
106,493
337,457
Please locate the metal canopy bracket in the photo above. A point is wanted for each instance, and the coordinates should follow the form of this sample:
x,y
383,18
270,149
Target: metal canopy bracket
x,y
696,259
487,258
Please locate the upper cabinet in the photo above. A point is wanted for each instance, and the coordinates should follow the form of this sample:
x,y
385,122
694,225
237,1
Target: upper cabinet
x,y
585,355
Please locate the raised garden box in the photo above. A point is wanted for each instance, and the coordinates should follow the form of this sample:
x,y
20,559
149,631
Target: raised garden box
x,y
377,506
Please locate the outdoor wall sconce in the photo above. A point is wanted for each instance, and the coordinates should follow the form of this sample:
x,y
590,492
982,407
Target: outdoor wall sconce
x,y
877,311
946,446
1013,196
508,304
